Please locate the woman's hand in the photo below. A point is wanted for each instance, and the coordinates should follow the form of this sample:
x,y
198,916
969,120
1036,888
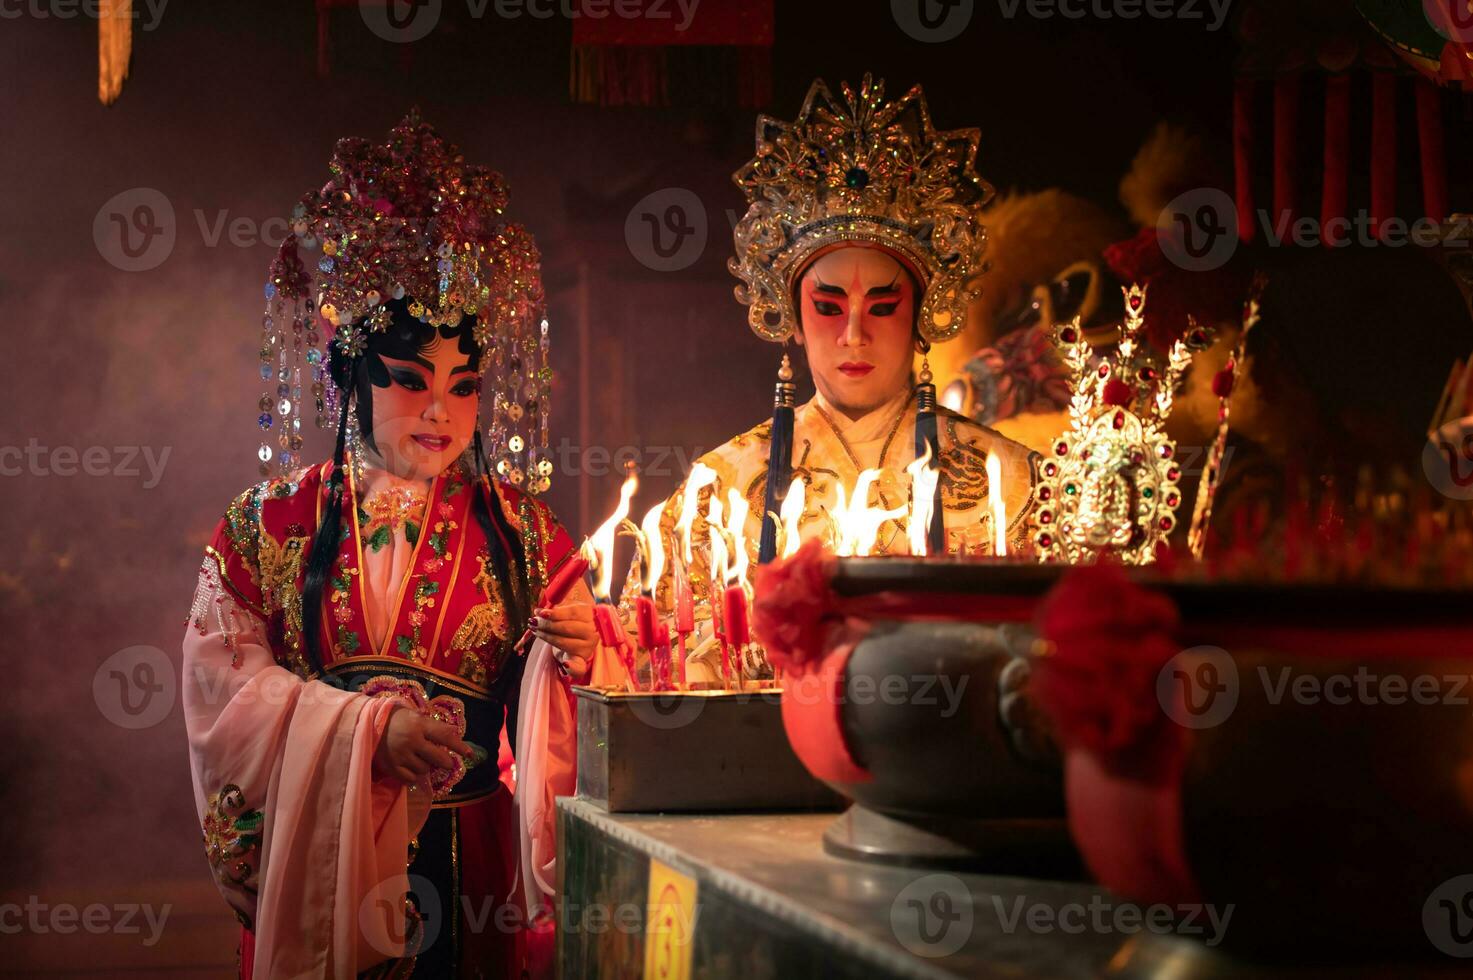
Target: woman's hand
x,y
569,629
413,744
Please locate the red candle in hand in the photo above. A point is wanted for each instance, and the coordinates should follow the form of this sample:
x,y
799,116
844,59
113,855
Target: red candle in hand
x,y
553,594
563,581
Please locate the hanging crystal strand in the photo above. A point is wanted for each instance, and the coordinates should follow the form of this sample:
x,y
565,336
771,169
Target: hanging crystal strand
x,y
288,391
265,420
323,401
517,366
283,407
540,409
495,429
296,434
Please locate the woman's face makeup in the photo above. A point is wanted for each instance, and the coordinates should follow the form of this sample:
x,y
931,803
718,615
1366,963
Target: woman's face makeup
x,y
857,312
427,414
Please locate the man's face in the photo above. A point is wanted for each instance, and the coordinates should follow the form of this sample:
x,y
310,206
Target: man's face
x,y
857,316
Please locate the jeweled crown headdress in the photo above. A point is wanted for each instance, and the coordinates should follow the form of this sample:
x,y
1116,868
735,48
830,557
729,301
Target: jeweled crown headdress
x,y
409,220
860,170
1111,483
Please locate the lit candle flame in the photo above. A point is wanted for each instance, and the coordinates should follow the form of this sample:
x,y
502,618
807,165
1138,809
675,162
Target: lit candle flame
x,y
999,509
737,509
923,478
789,515
599,548
701,476
858,524
653,546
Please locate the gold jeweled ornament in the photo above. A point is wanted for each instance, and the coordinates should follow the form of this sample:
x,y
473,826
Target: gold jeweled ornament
x,y
858,170
1110,485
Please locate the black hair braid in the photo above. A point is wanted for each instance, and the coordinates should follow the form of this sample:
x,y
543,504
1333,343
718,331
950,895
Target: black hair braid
x,y
516,586
329,533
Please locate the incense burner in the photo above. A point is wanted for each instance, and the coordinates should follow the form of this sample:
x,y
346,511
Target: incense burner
x,y
1318,773
952,763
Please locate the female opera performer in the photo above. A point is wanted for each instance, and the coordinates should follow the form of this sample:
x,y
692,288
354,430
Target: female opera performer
x,y
352,674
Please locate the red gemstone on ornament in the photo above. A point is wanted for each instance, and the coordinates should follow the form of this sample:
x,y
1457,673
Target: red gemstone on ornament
x,y
1222,383
1046,540
1119,420
1118,393
1044,493
1104,370
1173,473
1171,500
1166,523
1044,517
1136,458
1135,302
1050,469
1166,452
1062,449
1068,335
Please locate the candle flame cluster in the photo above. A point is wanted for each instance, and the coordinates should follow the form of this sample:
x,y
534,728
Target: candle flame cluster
x,y
856,524
854,530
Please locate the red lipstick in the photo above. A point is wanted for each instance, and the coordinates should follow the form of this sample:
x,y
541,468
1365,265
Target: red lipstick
x,y
435,444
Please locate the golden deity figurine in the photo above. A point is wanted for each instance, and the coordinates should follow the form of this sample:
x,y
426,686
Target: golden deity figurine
x,y
1111,485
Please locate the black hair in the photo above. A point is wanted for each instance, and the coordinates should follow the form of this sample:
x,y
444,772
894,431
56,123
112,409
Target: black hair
x,y
403,339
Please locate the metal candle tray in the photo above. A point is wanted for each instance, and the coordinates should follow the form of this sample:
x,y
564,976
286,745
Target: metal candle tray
x,y
691,751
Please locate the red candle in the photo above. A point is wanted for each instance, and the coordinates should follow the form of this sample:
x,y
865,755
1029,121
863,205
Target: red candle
x,y
685,613
645,620
557,590
610,632
735,607
662,645
717,627
563,581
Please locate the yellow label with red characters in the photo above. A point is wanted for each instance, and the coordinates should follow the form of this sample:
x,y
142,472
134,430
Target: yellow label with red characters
x,y
670,924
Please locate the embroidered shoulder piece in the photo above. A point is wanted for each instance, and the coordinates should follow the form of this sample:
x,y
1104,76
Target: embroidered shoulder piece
x,y
214,607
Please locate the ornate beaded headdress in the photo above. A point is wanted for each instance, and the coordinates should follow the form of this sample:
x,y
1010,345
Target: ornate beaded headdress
x,y
1110,486
408,220
860,170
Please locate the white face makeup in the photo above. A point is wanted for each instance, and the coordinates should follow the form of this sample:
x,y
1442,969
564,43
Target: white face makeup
x,y
857,313
426,416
